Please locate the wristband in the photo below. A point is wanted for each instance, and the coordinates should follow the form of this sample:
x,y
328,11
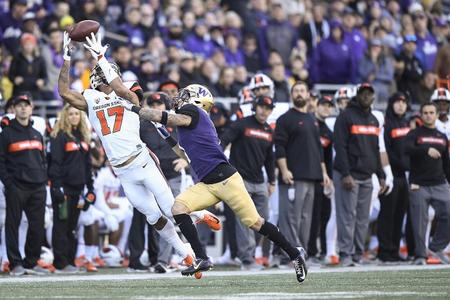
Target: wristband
x,y
108,71
136,109
164,116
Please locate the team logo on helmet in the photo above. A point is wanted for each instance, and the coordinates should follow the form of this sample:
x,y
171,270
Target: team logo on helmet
x,y
97,77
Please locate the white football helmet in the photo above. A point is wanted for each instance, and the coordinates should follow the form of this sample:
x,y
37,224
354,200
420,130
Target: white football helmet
x,y
194,94
97,77
440,94
261,80
245,95
111,255
344,93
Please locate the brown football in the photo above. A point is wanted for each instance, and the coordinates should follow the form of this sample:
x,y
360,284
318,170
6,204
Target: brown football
x,y
82,29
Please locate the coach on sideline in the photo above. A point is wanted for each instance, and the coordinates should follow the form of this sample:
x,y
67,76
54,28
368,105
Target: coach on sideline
x,y
429,176
299,156
251,149
357,158
23,172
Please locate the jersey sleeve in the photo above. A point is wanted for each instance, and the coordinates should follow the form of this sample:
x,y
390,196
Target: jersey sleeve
x,y
192,111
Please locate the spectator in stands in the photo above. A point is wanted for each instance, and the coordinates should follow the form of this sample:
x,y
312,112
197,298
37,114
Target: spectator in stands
x,y
377,69
333,59
174,31
427,86
122,57
30,25
428,185
281,85
240,77
300,160
28,71
52,55
131,27
169,87
352,35
70,172
224,86
198,42
426,42
147,23
11,25
409,69
209,74
23,172
442,64
299,72
278,34
233,54
252,56
316,29
393,207
256,17
353,168
148,75
188,73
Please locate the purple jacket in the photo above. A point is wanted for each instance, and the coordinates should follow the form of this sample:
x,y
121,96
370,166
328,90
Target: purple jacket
x,y
358,43
10,32
197,45
135,35
427,48
333,63
234,59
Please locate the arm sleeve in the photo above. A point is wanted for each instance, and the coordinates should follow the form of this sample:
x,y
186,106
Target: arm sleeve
x,y
410,145
55,170
394,159
269,164
5,176
43,70
281,138
192,111
341,139
231,134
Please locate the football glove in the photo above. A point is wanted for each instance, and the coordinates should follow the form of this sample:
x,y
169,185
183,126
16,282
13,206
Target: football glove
x,y
66,46
94,45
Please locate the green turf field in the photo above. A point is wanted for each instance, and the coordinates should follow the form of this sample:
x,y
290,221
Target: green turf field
x,y
410,284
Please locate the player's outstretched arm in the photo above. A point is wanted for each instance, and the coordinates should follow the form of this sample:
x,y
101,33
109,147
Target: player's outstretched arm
x,y
74,98
93,44
159,116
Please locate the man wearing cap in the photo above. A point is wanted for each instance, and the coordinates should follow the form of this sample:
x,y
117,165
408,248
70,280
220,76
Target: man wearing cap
x,y
409,69
251,149
300,159
394,206
322,204
11,24
441,97
427,149
357,158
23,172
171,166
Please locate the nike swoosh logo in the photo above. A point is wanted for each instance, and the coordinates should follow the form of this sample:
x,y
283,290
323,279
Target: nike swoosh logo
x,y
144,165
225,182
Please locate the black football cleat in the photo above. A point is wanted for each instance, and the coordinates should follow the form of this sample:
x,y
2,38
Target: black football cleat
x,y
300,265
199,265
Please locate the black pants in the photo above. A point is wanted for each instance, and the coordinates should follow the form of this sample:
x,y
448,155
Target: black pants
x,y
136,240
230,230
390,219
64,233
32,202
320,216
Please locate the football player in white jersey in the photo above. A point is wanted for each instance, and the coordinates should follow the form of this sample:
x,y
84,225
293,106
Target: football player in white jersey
x,y
118,130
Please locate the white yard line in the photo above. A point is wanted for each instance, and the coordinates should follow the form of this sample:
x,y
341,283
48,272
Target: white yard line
x,y
177,275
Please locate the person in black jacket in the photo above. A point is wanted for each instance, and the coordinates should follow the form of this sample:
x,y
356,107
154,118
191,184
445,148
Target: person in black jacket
x,y
428,152
23,172
70,172
357,158
251,149
393,206
300,160
322,202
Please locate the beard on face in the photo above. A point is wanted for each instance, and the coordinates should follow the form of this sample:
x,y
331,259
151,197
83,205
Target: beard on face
x,y
300,102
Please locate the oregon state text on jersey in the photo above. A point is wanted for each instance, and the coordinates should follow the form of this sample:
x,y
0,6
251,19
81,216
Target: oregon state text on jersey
x,y
117,128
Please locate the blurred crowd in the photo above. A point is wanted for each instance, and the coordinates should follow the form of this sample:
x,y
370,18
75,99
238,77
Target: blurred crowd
x,y
391,44
267,55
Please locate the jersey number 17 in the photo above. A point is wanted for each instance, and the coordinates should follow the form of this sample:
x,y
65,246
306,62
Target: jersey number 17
x,y
117,112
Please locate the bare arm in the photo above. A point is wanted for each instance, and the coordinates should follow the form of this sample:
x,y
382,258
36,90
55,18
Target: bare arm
x,y
122,91
172,119
72,97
